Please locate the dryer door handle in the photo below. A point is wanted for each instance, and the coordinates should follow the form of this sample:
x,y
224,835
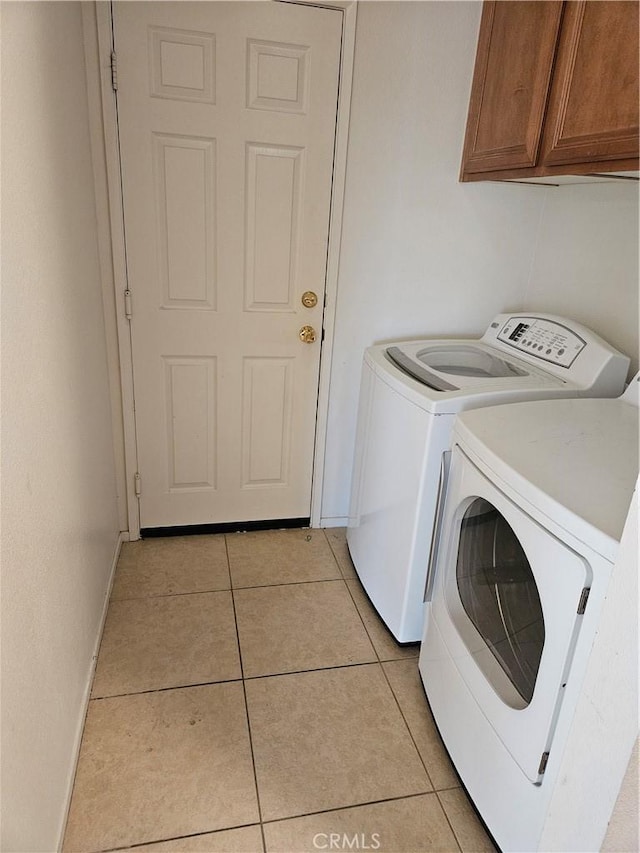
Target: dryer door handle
x,y
437,518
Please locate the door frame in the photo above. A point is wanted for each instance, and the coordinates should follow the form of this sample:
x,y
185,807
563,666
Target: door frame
x,y
98,40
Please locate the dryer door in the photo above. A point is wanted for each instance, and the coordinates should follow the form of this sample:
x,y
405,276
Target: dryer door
x,y
498,592
506,602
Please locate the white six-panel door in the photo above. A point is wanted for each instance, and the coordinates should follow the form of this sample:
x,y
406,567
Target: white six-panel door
x,y
226,116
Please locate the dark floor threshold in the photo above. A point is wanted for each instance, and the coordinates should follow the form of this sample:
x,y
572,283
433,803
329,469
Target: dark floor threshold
x,y
224,527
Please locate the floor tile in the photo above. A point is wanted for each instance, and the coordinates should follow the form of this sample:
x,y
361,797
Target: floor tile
x,y
247,839
327,739
162,765
171,565
337,539
471,834
153,643
299,626
383,640
406,683
411,825
267,557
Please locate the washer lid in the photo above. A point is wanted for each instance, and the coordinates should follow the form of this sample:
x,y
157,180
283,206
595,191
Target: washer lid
x,y
574,460
468,361
444,393
455,366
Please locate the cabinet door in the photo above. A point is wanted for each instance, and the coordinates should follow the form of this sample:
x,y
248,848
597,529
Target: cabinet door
x,y
516,48
593,107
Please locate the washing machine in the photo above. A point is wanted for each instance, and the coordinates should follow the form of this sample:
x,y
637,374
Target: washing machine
x,y
410,394
536,500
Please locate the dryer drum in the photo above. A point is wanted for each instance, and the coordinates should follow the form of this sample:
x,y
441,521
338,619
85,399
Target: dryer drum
x,y
499,595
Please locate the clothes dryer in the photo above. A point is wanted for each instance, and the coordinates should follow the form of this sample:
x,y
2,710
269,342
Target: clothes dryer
x,y
536,500
410,394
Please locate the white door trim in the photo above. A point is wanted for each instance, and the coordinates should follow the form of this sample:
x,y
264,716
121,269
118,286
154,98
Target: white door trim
x,y
97,22
96,17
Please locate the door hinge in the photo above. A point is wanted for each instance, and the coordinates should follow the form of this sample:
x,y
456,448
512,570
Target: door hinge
x,y
543,763
127,304
136,484
114,71
582,604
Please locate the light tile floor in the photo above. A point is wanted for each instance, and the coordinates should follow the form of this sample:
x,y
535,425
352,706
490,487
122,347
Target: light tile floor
x,y
248,699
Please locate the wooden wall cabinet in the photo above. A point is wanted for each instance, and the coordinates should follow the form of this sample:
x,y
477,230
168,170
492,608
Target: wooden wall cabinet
x,y
555,90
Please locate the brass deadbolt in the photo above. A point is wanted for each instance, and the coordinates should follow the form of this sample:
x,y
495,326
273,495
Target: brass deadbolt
x,y
309,299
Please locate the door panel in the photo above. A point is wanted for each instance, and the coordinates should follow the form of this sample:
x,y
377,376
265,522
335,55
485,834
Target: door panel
x,y
226,117
186,204
593,107
267,398
190,395
511,80
273,227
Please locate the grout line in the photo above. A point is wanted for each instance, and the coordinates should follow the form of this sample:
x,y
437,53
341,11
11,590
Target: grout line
x,y
229,589
171,594
406,722
288,583
226,553
380,623
354,574
451,826
139,844
313,669
353,806
244,678
333,553
246,707
289,818
364,624
355,578
249,678
460,785
165,689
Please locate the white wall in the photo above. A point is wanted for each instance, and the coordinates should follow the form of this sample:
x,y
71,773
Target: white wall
x,y
623,833
59,518
586,262
422,254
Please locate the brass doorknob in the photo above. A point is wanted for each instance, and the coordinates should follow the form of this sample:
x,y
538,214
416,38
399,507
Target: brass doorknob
x,y
307,334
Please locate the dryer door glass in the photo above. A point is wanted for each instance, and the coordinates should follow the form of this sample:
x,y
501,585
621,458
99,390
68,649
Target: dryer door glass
x,y
499,595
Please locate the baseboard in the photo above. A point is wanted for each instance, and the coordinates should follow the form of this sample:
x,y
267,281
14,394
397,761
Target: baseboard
x,y
87,692
335,521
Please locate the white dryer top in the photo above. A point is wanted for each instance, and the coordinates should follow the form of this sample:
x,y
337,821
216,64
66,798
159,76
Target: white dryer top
x,y
574,460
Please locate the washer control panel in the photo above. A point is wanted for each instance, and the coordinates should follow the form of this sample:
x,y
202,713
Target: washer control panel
x,y
544,339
